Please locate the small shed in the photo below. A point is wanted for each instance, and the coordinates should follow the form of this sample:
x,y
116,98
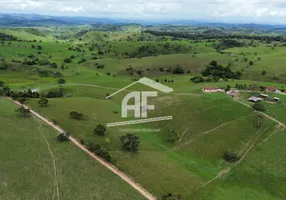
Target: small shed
x,y
264,95
276,99
254,99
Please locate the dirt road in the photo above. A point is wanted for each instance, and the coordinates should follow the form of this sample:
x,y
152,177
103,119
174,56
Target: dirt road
x,y
111,167
264,114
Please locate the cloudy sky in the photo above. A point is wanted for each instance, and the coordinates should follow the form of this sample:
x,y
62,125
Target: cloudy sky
x,y
263,11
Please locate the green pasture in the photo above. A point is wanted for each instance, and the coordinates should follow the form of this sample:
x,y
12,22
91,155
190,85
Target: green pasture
x,y
27,170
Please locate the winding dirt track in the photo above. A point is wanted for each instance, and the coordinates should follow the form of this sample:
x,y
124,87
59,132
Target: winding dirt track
x,y
111,167
264,114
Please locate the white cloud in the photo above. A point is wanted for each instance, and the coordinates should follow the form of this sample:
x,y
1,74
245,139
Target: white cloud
x,y
71,9
225,10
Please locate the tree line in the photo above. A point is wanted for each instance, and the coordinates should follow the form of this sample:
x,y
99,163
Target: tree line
x,y
204,36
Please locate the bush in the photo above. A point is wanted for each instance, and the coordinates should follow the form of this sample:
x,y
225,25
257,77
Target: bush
x,y
171,196
100,130
178,70
259,106
67,60
43,102
172,136
231,156
130,142
197,79
62,137
23,111
54,65
100,151
61,81
55,93
76,115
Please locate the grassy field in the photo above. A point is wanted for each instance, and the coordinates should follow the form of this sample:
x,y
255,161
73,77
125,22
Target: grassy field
x,y
28,153
208,125
194,160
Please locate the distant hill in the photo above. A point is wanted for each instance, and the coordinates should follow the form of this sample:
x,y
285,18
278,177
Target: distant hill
x,y
105,24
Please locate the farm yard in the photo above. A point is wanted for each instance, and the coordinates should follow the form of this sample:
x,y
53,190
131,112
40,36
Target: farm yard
x,y
217,146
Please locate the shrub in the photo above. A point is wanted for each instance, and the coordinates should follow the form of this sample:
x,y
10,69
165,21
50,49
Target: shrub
x,y
100,151
100,130
172,136
54,65
130,142
67,60
259,106
171,196
178,70
23,111
43,102
76,115
61,81
62,137
231,156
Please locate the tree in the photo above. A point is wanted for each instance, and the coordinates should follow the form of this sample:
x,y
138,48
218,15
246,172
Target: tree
x,y
43,102
63,137
23,111
251,63
263,73
22,100
172,136
178,70
130,142
259,106
171,196
231,156
54,65
61,81
98,150
76,115
67,60
227,88
100,130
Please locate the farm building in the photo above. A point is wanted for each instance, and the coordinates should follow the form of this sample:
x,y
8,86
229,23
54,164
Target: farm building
x,y
272,89
254,99
213,89
276,99
264,95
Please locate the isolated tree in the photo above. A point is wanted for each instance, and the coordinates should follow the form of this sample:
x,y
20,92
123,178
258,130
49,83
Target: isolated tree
x,y
259,106
231,156
76,115
61,81
100,130
251,63
23,111
130,142
43,102
171,196
263,73
172,136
